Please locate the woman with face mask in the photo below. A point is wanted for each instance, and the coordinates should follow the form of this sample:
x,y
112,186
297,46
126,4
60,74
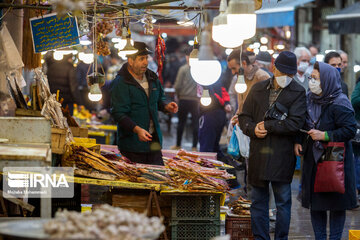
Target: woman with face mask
x,y
330,117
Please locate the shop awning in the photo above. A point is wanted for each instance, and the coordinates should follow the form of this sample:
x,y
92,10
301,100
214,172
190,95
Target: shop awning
x,y
278,14
345,21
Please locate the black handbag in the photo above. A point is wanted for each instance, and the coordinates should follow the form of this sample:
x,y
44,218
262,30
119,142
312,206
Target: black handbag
x,y
356,139
277,111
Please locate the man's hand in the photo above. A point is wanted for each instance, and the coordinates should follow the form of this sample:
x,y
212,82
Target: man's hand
x,y
316,135
143,135
260,131
261,125
228,108
171,107
298,149
235,120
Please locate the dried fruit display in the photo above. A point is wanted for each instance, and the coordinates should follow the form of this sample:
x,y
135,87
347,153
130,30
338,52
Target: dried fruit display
x,y
105,222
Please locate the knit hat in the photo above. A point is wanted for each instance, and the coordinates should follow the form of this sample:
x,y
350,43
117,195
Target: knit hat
x,y
264,57
286,63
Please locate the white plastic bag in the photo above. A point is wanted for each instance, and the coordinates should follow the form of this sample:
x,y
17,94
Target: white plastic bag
x,y
244,142
10,58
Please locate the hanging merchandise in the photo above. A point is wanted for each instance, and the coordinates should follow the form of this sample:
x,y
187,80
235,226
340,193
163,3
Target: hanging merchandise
x,y
62,7
30,59
10,60
84,24
160,55
148,24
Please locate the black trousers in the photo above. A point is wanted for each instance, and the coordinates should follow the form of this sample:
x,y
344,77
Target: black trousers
x,y
153,158
186,107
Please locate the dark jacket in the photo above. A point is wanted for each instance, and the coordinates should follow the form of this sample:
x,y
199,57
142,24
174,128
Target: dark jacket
x,y
272,158
355,101
130,107
339,122
62,76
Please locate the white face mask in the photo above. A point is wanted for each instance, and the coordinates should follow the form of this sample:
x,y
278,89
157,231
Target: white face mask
x,y
303,66
283,81
314,86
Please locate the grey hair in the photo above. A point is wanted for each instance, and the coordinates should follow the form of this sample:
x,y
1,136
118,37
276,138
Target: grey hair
x,y
341,52
299,50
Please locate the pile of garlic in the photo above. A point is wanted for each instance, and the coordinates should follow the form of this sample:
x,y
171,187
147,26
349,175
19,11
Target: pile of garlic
x,y
106,222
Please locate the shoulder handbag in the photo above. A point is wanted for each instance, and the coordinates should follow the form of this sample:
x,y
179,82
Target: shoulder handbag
x,y
356,139
277,111
330,169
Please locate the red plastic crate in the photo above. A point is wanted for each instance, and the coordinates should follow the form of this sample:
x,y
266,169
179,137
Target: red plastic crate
x,y
239,228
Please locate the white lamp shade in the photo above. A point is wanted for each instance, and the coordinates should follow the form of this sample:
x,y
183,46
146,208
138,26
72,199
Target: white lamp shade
x,y
228,39
193,61
95,93
205,72
240,87
94,97
205,99
242,25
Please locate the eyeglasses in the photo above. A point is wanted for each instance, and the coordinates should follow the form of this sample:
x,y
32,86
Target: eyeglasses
x,y
310,78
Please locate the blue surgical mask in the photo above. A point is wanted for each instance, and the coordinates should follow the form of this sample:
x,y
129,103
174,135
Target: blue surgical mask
x,y
312,60
339,69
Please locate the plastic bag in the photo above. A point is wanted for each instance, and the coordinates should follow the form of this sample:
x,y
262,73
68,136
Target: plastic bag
x,y
10,58
233,147
243,142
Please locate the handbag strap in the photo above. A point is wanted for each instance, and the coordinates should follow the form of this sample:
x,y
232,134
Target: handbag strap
x,y
275,98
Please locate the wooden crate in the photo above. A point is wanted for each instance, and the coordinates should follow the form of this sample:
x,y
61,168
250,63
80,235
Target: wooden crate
x,y
20,112
239,228
58,137
79,132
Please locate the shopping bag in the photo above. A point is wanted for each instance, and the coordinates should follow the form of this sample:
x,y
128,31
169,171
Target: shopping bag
x,y
244,142
330,169
10,58
233,147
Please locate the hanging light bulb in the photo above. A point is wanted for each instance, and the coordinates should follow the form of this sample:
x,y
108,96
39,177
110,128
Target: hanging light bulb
x,y
207,70
95,94
205,99
241,18
57,55
129,47
240,86
185,20
216,27
193,57
227,37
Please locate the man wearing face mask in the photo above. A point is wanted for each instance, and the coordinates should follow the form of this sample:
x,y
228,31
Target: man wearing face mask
x,y
303,57
273,112
334,59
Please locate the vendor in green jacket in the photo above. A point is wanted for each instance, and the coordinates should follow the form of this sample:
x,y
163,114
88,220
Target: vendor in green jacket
x,y
136,97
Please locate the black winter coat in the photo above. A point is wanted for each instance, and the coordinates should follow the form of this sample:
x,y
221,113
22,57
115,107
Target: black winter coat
x,y
339,122
272,158
62,76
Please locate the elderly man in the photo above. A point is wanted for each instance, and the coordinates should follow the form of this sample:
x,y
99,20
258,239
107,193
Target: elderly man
x,y
263,61
303,57
272,131
136,97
